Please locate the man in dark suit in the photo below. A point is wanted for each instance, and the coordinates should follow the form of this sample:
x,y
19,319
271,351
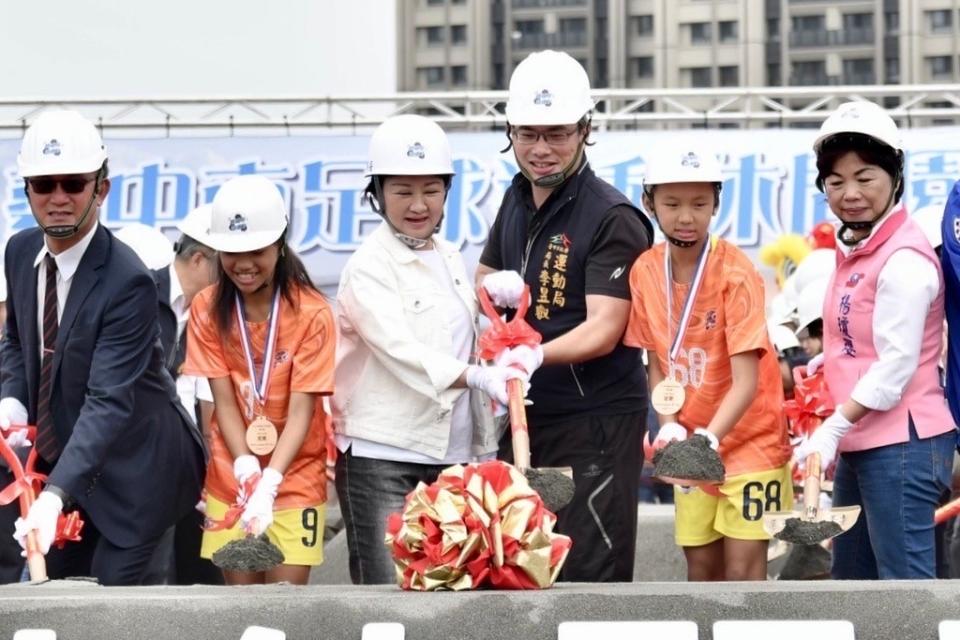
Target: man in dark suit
x,y
82,360
192,270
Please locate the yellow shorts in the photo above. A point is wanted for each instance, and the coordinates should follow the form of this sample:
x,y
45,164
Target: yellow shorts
x,y
298,533
738,512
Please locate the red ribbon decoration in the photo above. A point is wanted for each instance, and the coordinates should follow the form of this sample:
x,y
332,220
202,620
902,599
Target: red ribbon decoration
x,y
235,510
502,335
28,482
481,565
811,403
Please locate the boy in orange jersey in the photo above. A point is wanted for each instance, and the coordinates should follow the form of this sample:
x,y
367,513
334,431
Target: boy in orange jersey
x,y
697,308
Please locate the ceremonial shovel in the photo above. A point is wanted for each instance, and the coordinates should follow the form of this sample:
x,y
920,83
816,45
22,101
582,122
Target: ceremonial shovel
x,y
811,524
554,485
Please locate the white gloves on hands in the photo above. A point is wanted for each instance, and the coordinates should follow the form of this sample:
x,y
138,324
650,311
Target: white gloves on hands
x,y
258,514
668,433
12,412
493,380
504,288
714,442
814,364
42,517
824,440
527,359
245,467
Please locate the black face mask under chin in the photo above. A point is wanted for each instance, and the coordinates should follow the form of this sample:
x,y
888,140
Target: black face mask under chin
x,y
554,179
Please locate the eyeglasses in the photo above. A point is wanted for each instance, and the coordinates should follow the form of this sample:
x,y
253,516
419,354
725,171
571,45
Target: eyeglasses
x,y
72,184
553,138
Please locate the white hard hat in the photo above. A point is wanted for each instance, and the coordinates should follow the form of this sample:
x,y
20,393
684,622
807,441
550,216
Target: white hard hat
x,y
819,264
863,117
409,145
548,88
682,164
781,337
196,224
781,309
60,143
151,246
810,303
248,213
929,218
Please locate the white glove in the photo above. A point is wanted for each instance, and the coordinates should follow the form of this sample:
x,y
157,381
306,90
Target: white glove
x,y
245,467
12,412
527,359
504,288
668,433
814,364
258,514
18,439
824,441
42,517
493,380
714,442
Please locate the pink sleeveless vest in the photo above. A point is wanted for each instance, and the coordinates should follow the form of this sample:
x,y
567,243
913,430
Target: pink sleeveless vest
x,y
849,348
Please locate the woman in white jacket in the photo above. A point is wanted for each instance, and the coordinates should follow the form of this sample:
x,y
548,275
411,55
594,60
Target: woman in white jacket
x,y
407,322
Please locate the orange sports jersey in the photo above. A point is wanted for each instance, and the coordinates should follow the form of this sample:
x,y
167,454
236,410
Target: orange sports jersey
x,y
304,362
727,319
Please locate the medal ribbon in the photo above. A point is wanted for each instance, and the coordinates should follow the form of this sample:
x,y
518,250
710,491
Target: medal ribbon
x,y
262,382
688,303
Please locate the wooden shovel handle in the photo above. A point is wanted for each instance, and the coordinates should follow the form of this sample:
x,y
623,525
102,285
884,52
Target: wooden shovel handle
x,y
811,487
36,564
520,436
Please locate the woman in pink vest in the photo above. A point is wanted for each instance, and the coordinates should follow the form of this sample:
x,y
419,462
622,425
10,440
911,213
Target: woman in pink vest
x,y
882,322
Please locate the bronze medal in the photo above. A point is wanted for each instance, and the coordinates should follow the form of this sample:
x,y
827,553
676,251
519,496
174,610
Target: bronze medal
x,y
261,436
668,397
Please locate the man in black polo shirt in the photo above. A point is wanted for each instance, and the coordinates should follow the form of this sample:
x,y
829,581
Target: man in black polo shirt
x,y
573,238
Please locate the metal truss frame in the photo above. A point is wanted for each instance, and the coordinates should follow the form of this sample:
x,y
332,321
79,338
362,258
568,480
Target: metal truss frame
x,y
746,107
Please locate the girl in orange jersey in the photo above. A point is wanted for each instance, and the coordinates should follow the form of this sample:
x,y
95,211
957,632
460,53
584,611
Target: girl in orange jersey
x,y
264,336
697,308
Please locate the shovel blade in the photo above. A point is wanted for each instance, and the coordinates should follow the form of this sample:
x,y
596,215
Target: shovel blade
x,y
845,517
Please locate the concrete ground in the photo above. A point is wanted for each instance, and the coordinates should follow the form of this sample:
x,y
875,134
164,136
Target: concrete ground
x,y
333,608
878,610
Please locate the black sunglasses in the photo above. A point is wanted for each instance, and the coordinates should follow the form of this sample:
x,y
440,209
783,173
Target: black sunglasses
x,y
71,184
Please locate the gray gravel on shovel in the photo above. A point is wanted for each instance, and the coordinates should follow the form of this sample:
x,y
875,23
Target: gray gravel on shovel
x,y
691,459
555,489
806,562
251,553
806,532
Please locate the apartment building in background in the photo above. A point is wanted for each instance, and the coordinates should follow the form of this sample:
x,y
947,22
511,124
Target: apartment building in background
x,y
475,44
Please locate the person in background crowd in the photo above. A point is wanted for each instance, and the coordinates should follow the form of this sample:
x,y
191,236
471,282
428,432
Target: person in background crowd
x,y
698,311
882,336
264,337
82,361
189,267
572,238
407,404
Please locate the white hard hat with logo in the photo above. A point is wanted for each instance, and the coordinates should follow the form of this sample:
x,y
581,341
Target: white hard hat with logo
x,y
409,145
862,117
930,218
548,88
151,246
682,164
248,213
60,143
196,224
810,303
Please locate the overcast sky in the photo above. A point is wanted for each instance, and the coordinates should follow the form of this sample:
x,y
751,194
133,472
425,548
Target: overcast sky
x,y
195,48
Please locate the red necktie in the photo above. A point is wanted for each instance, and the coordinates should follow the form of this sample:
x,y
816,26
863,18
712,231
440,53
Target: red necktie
x,y
47,444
